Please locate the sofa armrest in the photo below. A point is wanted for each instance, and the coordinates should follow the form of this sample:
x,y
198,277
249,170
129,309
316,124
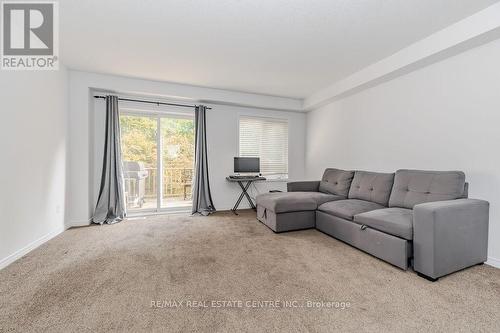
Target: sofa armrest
x,y
303,186
449,235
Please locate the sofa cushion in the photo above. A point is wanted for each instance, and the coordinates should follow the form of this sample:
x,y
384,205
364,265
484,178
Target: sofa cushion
x,y
282,202
348,208
336,181
412,187
395,221
372,186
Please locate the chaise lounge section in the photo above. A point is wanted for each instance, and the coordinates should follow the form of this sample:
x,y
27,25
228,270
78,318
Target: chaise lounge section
x,y
296,209
411,218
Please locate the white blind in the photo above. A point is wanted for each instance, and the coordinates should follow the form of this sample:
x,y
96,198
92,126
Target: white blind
x,y
268,139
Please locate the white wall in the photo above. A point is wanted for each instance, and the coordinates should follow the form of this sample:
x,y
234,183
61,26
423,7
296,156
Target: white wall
x,y
222,137
442,117
33,159
86,131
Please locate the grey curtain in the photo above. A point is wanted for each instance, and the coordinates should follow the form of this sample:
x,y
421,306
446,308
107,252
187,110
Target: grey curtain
x,y
202,199
110,206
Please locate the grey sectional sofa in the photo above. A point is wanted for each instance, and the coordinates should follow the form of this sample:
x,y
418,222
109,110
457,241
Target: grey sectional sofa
x,y
411,218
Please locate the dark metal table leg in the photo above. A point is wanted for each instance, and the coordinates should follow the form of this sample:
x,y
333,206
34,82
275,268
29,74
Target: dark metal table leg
x,y
235,207
249,199
244,193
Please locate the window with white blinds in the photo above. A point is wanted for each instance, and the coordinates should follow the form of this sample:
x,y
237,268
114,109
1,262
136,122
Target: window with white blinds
x,y
266,138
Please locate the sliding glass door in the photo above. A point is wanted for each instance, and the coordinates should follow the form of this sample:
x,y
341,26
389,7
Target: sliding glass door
x,y
158,159
140,161
177,161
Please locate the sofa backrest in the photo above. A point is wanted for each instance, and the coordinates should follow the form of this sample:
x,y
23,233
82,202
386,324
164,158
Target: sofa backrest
x,y
372,186
412,187
336,181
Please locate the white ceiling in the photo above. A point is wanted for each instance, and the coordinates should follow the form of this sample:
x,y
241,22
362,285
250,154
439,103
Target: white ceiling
x,y
288,48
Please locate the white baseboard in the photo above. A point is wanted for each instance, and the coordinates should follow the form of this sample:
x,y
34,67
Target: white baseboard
x,y
30,247
74,224
493,262
226,208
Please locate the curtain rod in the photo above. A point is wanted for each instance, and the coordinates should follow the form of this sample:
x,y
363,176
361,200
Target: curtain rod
x,y
151,102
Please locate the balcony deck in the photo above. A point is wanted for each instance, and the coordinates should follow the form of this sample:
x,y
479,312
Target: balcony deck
x,y
168,204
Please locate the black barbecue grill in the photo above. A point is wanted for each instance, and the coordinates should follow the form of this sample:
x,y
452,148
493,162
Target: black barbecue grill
x,y
135,175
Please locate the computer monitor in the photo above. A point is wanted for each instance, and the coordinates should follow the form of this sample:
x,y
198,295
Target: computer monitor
x,y
246,165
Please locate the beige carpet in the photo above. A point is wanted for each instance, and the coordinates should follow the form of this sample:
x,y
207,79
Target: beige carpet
x,y
104,278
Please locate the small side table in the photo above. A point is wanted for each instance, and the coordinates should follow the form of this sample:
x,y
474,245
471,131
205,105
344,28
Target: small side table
x,y
244,183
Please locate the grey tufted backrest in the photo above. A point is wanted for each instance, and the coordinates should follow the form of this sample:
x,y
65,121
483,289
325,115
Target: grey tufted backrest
x,y
372,186
412,187
336,181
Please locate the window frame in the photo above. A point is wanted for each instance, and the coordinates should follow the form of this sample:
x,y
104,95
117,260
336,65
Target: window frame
x,y
128,109
286,176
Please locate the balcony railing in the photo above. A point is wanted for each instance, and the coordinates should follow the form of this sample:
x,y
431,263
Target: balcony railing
x,y
176,183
